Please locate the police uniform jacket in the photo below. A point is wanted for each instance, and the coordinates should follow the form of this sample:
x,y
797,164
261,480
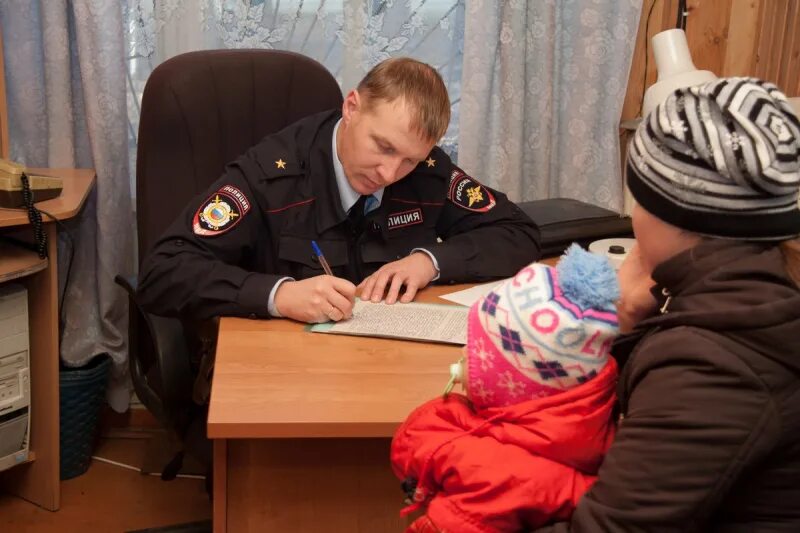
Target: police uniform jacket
x,y
254,226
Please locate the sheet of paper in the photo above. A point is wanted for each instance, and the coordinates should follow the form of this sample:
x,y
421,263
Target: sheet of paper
x,y
469,296
414,321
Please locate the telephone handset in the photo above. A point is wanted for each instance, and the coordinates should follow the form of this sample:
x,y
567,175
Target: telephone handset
x,y
19,190
13,188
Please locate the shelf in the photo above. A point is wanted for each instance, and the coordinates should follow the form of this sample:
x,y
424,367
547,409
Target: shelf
x,y
77,184
31,458
38,481
18,262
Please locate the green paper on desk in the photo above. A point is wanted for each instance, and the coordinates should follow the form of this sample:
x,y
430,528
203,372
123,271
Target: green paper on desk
x,y
412,321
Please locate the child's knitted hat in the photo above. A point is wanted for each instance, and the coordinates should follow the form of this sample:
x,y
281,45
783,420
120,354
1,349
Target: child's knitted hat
x,y
544,331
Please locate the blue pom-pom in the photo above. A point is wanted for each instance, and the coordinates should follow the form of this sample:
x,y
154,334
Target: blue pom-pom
x,y
587,279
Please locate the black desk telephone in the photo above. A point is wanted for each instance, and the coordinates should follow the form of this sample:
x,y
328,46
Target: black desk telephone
x,y
14,188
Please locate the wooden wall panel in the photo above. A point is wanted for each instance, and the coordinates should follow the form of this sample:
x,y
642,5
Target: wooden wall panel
x,y
707,31
728,37
788,74
765,55
745,27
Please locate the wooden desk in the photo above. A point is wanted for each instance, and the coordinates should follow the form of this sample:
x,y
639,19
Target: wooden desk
x,y
302,424
39,480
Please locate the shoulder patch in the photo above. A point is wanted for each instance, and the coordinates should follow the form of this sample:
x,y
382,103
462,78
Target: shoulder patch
x,y
221,212
468,194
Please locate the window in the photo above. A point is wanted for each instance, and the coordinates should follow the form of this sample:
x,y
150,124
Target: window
x,y
347,36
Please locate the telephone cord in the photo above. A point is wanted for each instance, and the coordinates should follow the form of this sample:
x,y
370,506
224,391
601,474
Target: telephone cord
x,y
35,218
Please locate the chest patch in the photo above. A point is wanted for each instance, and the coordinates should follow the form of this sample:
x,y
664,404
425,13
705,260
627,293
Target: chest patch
x,y
404,218
468,194
221,212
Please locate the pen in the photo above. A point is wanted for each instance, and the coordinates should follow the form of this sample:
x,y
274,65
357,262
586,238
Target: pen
x,y
322,261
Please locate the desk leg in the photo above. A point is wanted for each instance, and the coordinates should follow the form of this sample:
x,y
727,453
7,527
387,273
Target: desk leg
x,y
220,485
40,480
311,485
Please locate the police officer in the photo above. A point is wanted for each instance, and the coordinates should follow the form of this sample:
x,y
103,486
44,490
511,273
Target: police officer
x,y
388,209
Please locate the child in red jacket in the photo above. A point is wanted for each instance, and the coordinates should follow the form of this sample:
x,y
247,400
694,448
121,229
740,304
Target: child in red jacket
x,y
525,443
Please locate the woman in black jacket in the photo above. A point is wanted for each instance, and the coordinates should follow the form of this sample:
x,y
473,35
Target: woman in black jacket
x,y
709,392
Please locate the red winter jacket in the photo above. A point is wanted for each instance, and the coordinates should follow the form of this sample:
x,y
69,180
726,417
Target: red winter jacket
x,y
506,468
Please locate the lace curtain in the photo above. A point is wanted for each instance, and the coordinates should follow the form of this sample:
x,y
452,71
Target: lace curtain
x,y
543,82
543,87
347,36
65,82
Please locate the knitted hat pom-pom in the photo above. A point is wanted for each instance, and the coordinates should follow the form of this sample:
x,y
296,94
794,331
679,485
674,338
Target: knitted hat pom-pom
x,y
587,279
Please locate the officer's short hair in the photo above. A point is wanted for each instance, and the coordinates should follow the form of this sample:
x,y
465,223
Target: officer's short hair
x,y
421,87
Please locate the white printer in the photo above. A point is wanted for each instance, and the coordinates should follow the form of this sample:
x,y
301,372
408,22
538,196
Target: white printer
x,y
15,396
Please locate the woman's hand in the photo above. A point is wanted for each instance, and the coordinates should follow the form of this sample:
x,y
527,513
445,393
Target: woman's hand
x,y
636,302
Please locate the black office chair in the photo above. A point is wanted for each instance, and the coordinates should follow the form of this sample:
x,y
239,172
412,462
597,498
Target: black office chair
x,y
201,110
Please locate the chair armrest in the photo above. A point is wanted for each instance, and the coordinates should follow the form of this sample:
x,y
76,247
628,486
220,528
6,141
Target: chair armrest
x,y
160,342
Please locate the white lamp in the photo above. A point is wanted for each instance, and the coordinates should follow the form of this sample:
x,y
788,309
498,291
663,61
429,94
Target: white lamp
x,y
675,70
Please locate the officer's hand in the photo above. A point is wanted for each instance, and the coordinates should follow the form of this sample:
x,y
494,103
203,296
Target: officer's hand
x,y
414,271
636,302
317,299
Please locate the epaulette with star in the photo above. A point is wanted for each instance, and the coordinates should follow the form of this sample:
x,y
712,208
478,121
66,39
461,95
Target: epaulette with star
x,y
277,159
437,163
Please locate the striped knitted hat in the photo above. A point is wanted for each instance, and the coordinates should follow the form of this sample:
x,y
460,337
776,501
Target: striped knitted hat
x,y
721,159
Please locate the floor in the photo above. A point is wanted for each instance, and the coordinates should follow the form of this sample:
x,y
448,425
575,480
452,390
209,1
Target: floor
x,y
109,498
